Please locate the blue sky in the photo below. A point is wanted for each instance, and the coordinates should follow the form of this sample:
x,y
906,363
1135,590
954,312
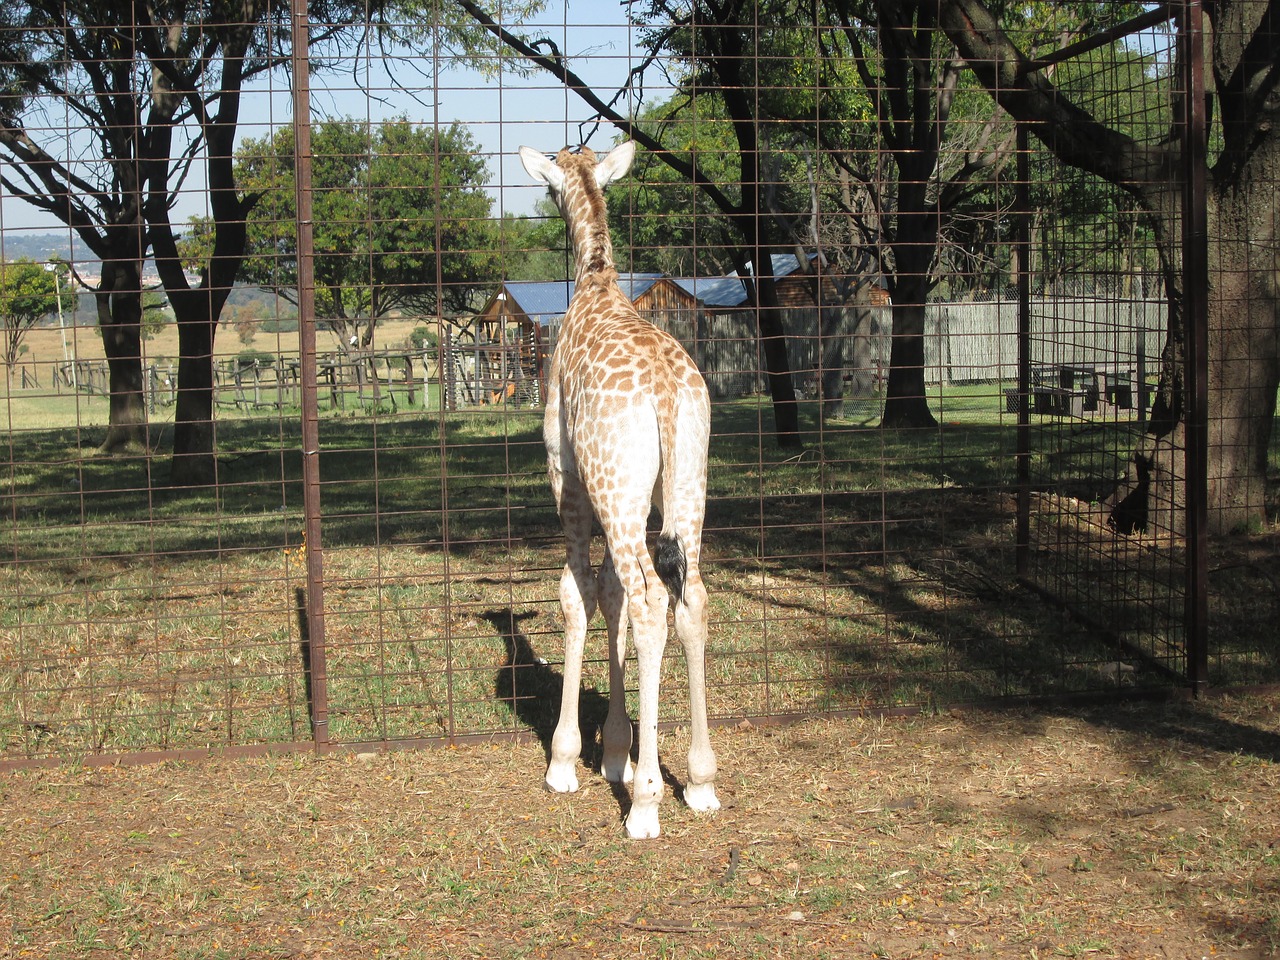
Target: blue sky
x,y
502,113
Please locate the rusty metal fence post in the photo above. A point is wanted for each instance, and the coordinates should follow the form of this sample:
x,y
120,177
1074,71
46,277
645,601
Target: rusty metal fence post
x,y
1022,268
313,601
1195,309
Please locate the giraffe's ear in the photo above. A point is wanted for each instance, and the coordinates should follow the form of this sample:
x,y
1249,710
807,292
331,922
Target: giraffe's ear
x,y
616,164
540,168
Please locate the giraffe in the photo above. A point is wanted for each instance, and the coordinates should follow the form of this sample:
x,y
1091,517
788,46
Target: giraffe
x,y
627,424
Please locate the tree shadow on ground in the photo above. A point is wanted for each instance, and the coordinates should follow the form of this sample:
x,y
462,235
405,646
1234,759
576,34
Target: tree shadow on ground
x,y
1187,724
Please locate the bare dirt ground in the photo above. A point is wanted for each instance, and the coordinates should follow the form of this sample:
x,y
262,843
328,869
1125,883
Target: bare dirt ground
x,y
1143,830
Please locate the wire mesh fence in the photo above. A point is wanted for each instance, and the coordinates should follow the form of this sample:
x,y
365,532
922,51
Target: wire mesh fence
x,y
1092,346
275,470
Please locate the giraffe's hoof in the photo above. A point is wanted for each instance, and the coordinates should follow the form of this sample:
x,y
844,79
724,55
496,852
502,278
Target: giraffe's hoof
x,y
701,797
642,823
560,779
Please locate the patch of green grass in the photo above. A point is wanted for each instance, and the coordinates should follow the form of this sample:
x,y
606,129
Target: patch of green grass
x,y
873,570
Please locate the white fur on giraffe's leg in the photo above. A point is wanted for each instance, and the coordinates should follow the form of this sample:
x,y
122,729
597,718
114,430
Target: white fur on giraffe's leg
x,y
701,797
562,776
615,762
617,770
642,822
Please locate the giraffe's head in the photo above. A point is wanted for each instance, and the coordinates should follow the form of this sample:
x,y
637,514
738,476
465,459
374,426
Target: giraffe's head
x,y
576,180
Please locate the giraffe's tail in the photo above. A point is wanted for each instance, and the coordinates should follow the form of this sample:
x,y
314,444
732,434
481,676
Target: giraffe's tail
x,y
669,561
668,554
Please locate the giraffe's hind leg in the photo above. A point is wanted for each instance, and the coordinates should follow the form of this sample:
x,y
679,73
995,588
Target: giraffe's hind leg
x,y
578,604
616,761
646,610
691,630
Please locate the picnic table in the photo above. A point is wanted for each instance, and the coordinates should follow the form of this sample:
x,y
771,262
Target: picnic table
x,y
1074,390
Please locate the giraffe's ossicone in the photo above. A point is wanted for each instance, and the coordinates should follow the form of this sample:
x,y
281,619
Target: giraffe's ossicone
x,y
627,425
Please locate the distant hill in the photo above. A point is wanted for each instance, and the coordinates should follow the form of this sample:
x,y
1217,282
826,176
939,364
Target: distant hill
x,y
45,246
22,244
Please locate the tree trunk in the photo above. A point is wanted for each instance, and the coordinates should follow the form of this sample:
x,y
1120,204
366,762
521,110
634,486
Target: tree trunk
x,y
119,303
196,311
833,333
777,364
1243,376
727,59
194,460
1244,367
905,403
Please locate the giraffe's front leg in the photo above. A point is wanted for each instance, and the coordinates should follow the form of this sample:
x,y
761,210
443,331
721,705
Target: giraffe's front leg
x,y
615,764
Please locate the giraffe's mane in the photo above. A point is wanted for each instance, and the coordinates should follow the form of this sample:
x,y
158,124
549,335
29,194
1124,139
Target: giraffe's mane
x,y
579,169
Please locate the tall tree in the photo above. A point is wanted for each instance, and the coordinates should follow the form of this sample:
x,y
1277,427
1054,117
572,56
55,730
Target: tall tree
x,y
401,220
154,85
200,54
1242,51
158,85
77,59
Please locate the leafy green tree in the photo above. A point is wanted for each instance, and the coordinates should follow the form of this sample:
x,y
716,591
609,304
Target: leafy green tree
x,y
28,292
201,54
156,314
536,247
150,89
158,88
920,196
401,221
665,222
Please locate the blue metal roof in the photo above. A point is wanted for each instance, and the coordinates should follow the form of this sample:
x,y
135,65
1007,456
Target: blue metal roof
x,y
714,291
544,300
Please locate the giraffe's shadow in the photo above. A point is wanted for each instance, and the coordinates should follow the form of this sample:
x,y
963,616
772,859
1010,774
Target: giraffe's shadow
x,y
531,689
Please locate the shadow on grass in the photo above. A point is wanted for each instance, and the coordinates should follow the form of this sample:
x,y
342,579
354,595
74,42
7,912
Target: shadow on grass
x,y
900,518
1187,724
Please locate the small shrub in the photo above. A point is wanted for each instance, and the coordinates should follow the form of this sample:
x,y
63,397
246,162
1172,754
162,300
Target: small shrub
x,y
423,338
255,358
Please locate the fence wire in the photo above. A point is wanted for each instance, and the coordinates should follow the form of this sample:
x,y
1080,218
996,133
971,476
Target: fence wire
x,y
328,521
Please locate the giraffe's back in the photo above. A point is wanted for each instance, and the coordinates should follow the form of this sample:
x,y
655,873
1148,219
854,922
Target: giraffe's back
x,y
616,375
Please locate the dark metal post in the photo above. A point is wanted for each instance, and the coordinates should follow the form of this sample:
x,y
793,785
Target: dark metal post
x,y
1195,308
1022,268
314,603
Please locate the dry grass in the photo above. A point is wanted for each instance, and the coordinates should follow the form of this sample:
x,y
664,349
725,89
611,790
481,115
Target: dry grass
x,y
1142,831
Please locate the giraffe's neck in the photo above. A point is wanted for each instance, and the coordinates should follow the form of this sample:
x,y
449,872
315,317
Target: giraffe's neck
x,y
585,213
593,251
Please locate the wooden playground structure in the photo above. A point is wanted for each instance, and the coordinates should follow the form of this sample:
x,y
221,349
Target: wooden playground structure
x,y
488,360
